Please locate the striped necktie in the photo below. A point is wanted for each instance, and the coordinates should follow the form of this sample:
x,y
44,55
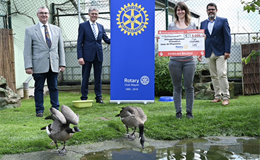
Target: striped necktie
x,y
47,36
94,30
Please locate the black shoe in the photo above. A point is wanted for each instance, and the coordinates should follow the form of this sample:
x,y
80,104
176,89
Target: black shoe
x,y
99,101
39,115
83,98
179,115
189,115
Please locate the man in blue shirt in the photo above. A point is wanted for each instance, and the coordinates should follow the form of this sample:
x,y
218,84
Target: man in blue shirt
x,y
217,51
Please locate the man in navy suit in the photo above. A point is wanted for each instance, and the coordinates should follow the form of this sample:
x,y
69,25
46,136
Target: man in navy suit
x,y
217,48
89,50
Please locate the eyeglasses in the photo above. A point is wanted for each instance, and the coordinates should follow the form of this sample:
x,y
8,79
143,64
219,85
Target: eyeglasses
x,y
43,13
211,10
94,14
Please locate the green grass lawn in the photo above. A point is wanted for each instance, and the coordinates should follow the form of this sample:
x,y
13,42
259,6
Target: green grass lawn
x,y
20,128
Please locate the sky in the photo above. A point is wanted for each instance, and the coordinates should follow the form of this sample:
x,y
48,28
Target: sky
x,y
239,20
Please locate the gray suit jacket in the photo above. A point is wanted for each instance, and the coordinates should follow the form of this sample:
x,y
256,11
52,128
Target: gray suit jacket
x,y
37,55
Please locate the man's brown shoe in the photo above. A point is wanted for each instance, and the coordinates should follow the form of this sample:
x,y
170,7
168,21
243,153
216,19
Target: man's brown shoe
x,y
215,100
225,102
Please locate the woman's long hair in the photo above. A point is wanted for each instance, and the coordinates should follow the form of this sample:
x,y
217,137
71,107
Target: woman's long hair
x,y
183,6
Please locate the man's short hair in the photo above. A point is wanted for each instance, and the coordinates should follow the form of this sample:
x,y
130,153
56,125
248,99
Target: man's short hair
x,y
212,4
92,9
42,7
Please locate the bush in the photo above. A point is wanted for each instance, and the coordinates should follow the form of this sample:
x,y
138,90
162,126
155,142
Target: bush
x,y
163,82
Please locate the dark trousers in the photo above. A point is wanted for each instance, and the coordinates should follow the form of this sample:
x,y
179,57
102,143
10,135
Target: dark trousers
x,y
86,68
187,69
39,79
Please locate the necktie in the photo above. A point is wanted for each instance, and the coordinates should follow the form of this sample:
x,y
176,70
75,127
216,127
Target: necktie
x,y
47,36
94,31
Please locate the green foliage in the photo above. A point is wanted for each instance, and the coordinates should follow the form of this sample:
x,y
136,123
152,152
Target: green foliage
x,y
20,128
163,82
253,55
251,6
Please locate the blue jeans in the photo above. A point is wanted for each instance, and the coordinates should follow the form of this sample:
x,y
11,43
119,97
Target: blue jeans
x,y
187,69
39,79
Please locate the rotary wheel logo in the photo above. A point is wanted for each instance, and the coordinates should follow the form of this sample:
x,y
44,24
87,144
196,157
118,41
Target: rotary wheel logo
x,y
132,19
145,80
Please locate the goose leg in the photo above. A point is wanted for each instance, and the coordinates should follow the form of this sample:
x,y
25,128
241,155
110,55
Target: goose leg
x,y
63,151
133,134
127,129
131,137
56,145
128,137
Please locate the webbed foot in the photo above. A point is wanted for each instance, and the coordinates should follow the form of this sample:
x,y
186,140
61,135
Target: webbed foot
x,y
130,137
62,152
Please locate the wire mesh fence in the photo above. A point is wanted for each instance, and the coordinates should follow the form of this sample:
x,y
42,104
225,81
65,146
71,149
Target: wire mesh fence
x,y
3,14
67,18
243,26
64,13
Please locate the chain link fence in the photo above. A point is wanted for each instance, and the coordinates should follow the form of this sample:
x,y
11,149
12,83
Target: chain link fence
x,y
67,18
3,14
244,26
64,13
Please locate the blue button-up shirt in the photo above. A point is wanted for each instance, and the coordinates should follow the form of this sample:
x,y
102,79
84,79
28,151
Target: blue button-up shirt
x,y
211,25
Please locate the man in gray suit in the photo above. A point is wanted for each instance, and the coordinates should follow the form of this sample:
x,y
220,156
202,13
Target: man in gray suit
x,y
43,58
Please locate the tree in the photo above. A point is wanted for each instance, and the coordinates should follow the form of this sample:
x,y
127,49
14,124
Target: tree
x,y
252,6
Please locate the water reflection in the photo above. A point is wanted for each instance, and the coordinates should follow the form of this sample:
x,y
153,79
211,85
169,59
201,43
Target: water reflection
x,y
149,153
190,149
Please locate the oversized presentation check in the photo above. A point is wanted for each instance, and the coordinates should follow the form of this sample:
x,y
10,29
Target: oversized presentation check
x,y
181,43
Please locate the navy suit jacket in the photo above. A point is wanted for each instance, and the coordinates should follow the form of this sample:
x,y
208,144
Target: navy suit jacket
x,y
88,46
219,42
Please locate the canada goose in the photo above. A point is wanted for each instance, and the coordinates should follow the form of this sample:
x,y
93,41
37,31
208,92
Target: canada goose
x,y
60,129
134,117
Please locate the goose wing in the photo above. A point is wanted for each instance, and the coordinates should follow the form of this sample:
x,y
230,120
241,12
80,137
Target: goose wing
x,y
57,116
130,116
58,121
126,112
69,115
140,113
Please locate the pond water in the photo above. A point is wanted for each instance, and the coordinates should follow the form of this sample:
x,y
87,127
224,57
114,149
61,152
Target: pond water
x,y
188,149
